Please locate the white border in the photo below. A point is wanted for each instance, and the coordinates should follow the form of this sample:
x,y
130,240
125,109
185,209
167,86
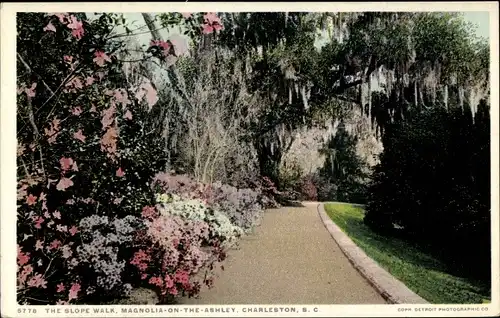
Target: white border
x,y
8,150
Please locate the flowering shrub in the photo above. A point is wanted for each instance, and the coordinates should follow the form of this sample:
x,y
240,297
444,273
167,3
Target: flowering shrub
x,y
102,241
172,251
240,205
220,226
85,158
308,189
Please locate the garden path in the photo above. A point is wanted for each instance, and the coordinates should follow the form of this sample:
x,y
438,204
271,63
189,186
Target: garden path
x,y
290,259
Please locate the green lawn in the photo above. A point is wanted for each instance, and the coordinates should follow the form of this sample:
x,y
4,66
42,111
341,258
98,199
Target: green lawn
x,y
420,272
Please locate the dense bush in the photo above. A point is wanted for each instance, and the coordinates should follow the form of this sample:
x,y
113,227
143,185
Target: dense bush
x,y
433,182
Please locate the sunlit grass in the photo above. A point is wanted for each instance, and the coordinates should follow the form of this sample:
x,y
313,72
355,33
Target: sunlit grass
x,y
420,272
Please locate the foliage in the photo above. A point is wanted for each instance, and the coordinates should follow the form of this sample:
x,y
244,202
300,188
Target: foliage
x,y
343,168
433,183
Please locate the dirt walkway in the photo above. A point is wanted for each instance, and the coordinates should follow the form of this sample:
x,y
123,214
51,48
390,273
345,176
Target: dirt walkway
x,y
291,259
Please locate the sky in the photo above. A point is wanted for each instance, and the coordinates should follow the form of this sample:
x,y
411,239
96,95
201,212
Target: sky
x,y
481,20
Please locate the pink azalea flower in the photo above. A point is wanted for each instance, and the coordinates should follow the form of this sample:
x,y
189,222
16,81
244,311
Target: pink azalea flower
x,y
64,183
181,277
173,291
37,281
31,91
169,282
100,58
62,302
157,281
39,245
187,15
57,214
60,287
22,258
74,167
27,270
120,173
73,292
79,136
68,58
73,230
93,109
38,221
55,244
66,163
127,115
31,199
211,18
76,111
50,27
212,23
76,26
43,196
144,276
46,214
89,80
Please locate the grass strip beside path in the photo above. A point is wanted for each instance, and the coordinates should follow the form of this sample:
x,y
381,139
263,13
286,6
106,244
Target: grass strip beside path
x,y
423,274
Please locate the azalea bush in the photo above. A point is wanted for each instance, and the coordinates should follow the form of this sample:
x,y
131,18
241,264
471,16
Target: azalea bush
x,y
85,158
220,225
173,252
242,206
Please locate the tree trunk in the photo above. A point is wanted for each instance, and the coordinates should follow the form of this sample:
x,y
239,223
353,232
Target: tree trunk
x,y
150,22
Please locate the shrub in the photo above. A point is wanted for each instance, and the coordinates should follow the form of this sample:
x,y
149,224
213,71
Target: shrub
x,y
308,189
85,161
433,182
172,250
240,205
221,227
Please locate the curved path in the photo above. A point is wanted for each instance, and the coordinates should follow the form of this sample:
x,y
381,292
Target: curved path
x,y
291,259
